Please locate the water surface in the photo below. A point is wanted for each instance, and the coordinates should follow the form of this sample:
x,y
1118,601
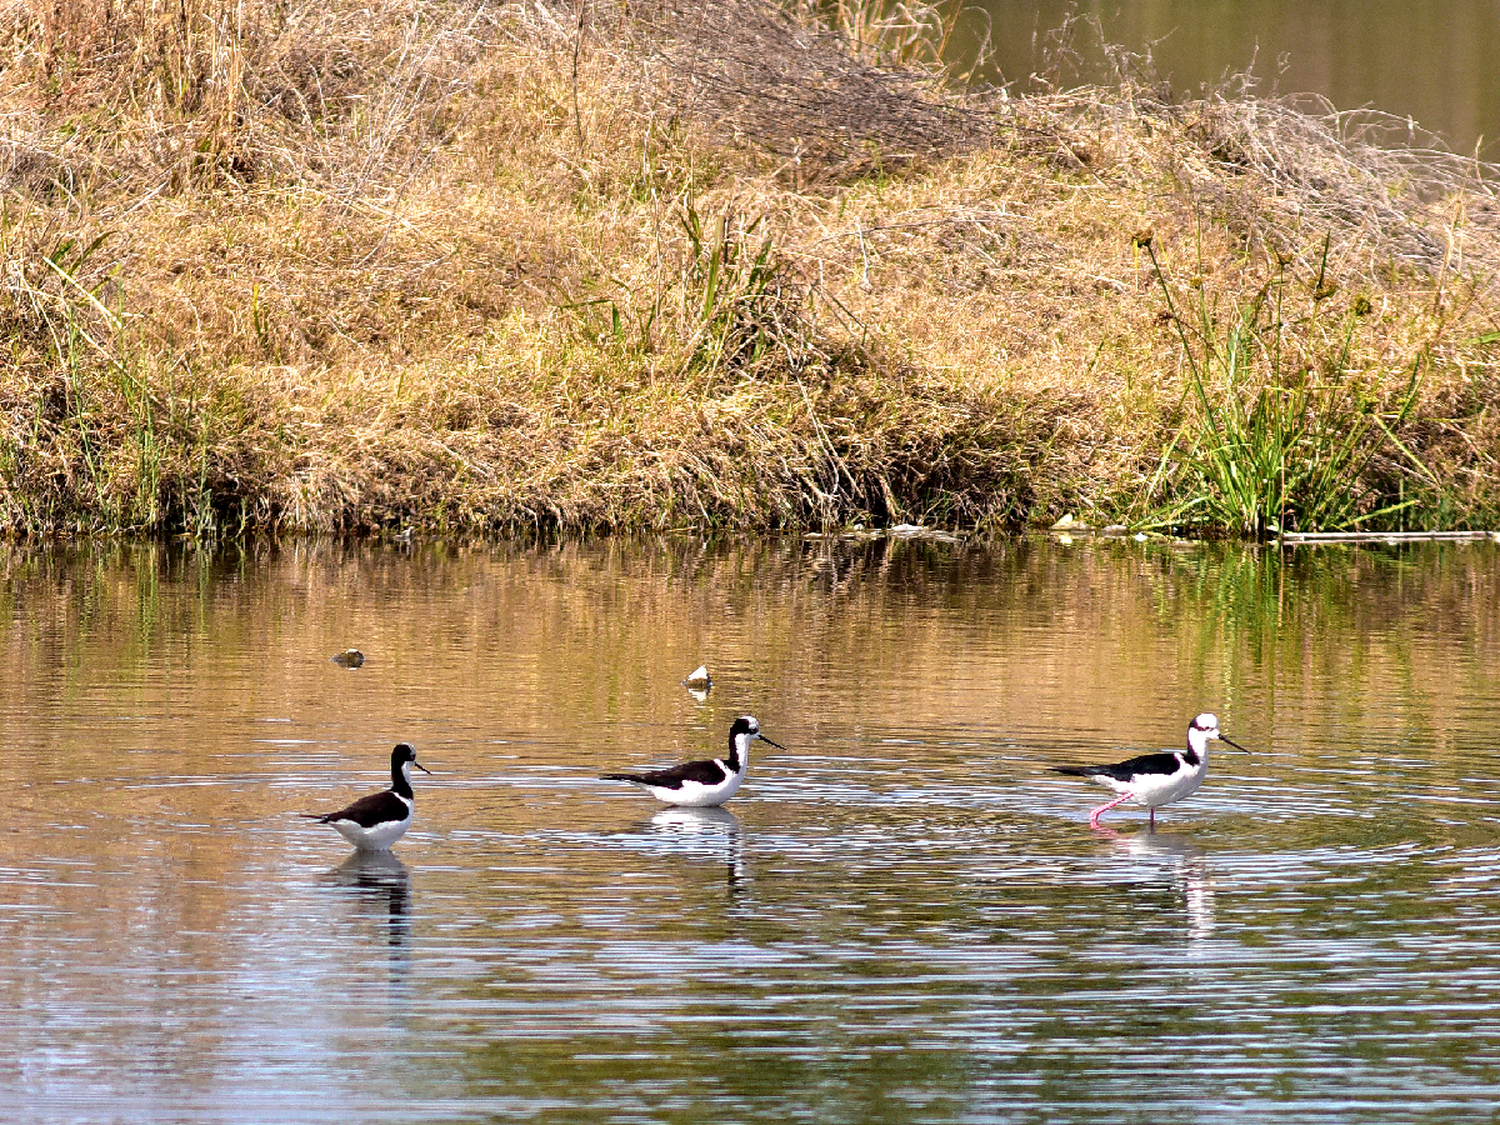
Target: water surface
x,y
902,918
1436,62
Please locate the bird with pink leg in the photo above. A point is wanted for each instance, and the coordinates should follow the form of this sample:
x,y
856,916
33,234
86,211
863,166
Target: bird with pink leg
x,y
1157,779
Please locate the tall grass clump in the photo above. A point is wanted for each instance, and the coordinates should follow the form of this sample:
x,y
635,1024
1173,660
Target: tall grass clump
x,y
1283,433
740,304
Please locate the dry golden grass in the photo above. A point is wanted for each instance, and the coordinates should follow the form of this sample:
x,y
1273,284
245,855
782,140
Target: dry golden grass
x,y
458,266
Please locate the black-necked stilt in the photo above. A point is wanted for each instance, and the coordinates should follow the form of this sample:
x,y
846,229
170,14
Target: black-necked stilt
x,y
349,658
374,823
1155,780
707,784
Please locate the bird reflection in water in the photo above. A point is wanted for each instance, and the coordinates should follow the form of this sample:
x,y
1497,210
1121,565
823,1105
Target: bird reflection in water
x,y
1185,861
381,882
703,833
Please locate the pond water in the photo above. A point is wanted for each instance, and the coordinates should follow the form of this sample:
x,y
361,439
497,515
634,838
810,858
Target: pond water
x,y
903,917
1435,61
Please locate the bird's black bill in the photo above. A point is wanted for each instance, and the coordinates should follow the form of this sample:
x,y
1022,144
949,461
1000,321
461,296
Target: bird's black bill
x,y
778,745
427,771
1233,743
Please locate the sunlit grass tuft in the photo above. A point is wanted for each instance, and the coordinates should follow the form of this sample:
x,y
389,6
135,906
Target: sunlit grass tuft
x,y
1285,437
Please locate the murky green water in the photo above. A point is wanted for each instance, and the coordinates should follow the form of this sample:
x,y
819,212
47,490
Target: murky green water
x,y
1434,61
903,918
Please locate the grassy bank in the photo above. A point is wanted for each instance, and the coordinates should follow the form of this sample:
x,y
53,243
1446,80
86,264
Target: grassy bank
x,y
501,267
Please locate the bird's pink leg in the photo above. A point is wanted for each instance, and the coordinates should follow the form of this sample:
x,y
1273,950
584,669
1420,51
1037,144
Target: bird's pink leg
x,y
1094,816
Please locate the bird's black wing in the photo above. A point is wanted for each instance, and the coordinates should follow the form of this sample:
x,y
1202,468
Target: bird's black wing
x,y
1164,762
377,808
704,773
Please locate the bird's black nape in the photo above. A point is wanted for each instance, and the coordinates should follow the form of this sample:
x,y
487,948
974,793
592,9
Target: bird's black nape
x,y
403,753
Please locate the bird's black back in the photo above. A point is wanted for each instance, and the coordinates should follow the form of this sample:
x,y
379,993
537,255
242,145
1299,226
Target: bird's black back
x,y
704,773
377,808
1163,762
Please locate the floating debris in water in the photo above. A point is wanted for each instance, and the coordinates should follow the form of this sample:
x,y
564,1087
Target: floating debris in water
x,y
860,534
349,658
699,681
